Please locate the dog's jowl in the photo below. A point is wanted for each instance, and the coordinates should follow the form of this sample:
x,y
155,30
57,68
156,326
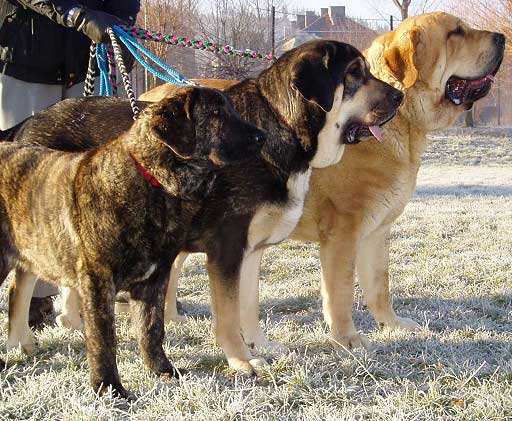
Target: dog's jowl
x,y
115,217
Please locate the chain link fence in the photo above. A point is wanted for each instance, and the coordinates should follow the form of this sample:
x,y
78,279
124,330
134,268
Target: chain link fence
x,y
276,31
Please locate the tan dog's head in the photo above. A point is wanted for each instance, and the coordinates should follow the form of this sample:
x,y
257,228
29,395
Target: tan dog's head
x,y
441,64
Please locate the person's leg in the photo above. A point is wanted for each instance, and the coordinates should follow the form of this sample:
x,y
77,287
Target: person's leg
x,y
19,100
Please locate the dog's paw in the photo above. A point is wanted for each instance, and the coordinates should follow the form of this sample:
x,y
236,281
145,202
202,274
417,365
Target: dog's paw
x,y
259,366
270,347
402,323
117,392
71,323
175,373
352,341
26,343
255,366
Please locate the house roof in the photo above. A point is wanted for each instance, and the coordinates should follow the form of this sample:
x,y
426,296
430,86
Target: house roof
x,y
342,29
299,39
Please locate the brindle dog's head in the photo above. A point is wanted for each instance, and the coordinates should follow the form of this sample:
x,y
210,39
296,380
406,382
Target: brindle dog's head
x,y
332,97
201,124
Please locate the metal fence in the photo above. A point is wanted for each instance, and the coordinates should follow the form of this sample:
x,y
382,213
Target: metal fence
x,y
282,30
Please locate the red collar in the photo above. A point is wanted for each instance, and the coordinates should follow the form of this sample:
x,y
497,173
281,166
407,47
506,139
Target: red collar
x,y
145,173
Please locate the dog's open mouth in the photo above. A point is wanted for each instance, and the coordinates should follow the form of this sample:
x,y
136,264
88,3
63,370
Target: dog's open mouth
x,y
466,91
357,133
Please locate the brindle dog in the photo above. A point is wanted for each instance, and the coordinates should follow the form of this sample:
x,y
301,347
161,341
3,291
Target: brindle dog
x,y
311,102
115,217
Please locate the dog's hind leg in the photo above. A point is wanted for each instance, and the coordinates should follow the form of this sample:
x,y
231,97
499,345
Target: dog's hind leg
x,y
147,308
171,312
97,297
69,316
20,293
373,274
252,332
224,285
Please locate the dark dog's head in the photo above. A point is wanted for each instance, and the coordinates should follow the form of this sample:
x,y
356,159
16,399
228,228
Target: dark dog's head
x,y
334,98
201,124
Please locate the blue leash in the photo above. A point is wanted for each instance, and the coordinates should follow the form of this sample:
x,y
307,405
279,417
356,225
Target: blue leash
x,y
101,58
171,75
140,53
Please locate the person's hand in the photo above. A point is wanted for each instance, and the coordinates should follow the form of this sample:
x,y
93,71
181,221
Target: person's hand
x,y
94,24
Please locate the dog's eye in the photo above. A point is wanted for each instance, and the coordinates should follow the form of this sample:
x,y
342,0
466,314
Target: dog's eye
x,y
215,112
457,32
355,71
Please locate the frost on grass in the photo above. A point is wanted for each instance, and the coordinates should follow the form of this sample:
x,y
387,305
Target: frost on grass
x,y
451,270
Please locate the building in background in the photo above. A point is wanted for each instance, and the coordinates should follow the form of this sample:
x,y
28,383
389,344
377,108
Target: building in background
x,y
332,23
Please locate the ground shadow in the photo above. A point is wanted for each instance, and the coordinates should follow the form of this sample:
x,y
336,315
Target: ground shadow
x,y
463,190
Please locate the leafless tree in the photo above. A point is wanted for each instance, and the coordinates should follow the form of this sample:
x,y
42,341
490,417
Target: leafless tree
x,y
240,23
170,17
486,14
403,6
407,7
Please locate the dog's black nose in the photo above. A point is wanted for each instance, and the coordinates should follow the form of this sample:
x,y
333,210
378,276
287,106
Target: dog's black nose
x,y
260,138
397,97
500,40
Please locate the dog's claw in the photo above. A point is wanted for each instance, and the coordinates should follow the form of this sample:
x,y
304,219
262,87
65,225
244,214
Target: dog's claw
x,y
352,341
118,392
402,323
174,373
259,366
255,366
69,323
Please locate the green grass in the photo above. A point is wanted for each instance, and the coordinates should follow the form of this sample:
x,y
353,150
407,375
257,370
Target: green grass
x,y
451,270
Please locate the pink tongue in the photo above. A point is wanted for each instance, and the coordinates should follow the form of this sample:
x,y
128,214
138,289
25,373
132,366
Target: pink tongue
x,y
377,132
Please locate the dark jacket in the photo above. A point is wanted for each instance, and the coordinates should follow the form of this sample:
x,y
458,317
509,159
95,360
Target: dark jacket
x,y
35,45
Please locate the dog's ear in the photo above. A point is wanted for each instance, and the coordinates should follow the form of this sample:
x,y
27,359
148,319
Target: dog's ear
x,y
190,100
313,80
166,126
400,58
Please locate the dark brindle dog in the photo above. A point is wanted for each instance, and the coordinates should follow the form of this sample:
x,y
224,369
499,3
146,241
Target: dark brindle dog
x,y
115,217
311,102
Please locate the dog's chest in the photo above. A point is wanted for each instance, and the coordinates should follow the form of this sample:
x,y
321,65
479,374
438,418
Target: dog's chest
x,y
388,205
273,224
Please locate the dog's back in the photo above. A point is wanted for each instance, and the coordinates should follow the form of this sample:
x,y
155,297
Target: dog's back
x,y
61,127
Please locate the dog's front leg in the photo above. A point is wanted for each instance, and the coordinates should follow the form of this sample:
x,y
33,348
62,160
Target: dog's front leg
x,y
147,308
252,332
338,247
97,295
20,293
224,286
373,274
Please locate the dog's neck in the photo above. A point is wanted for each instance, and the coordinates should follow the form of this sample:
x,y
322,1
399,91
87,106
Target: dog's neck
x,y
288,147
159,166
405,139
305,118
